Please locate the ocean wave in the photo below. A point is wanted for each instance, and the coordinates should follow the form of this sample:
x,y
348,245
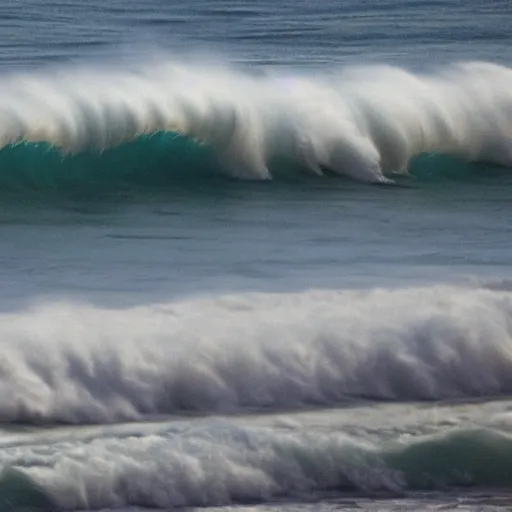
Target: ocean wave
x,y
221,463
166,163
365,123
82,364
161,161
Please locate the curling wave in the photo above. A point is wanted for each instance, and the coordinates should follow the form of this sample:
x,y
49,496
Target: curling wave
x,y
364,123
80,364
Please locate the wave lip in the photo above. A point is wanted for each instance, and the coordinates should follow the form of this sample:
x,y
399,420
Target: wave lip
x,y
365,123
80,364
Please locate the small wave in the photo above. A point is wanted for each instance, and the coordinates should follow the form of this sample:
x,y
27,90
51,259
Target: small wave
x,y
364,123
80,364
221,464
471,457
19,493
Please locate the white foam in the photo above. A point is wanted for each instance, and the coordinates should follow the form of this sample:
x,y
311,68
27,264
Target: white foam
x,y
183,465
364,123
80,364
217,463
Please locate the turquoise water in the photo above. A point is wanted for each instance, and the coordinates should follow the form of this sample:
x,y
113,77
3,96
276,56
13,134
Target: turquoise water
x,y
255,256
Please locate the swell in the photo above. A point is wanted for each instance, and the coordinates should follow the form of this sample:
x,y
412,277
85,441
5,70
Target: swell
x,y
75,364
221,464
365,123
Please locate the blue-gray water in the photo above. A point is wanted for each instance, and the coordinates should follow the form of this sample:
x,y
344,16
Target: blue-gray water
x,y
255,255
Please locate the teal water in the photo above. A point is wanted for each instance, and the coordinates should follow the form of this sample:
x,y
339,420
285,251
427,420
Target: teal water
x,y
255,255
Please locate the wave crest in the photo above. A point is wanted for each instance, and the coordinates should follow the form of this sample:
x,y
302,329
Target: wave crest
x,y
365,123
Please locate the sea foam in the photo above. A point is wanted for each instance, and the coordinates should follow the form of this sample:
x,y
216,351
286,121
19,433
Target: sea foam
x,y
72,363
365,123
218,463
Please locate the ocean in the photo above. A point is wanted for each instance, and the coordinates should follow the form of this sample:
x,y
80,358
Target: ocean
x,y
255,256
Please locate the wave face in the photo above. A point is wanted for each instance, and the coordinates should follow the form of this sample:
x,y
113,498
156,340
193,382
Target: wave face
x,y
80,364
148,163
364,123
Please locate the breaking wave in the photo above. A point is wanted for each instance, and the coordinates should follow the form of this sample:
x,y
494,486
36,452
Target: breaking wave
x,y
178,465
366,123
80,364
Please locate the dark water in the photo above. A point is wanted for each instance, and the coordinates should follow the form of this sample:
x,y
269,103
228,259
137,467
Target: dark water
x,y
293,33
152,246
255,255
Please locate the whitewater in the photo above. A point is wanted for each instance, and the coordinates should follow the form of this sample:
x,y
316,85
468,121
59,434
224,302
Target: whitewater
x,y
77,364
174,338
205,304
157,375
366,123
